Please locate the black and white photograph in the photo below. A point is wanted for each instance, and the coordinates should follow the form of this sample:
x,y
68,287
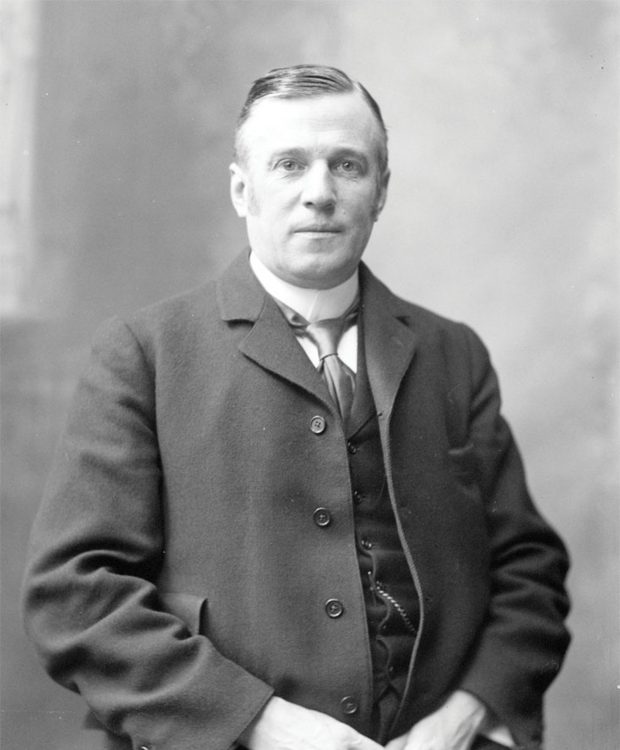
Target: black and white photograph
x,y
310,420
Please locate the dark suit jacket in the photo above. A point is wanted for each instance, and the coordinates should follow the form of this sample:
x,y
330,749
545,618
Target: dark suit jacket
x,y
177,579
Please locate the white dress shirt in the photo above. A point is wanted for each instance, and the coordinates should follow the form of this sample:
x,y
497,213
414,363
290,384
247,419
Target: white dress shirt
x,y
314,305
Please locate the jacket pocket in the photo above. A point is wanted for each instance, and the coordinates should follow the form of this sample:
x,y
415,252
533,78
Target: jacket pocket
x,y
189,608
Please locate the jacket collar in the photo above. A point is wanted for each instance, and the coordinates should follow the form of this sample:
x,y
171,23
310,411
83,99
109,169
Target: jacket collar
x,y
269,342
239,294
389,338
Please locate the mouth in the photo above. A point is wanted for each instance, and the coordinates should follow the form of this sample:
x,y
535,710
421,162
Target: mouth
x,y
318,229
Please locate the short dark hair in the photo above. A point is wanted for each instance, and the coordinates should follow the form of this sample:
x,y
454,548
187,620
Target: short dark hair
x,y
298,81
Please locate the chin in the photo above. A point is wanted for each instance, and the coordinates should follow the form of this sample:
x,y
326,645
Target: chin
x,y
323,275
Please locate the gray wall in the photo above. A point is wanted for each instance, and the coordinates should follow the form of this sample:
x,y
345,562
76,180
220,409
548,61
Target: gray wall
x,y
502,212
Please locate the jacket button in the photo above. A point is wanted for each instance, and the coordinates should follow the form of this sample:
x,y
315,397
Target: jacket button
x,y
318,425
334,608
351,448
366,543
322,517
357,497
349,705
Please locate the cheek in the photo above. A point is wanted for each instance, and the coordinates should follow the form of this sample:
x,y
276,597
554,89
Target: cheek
x,y
364,205
252,201
267,202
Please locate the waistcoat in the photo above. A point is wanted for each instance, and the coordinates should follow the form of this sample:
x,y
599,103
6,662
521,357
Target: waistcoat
x,y
392,607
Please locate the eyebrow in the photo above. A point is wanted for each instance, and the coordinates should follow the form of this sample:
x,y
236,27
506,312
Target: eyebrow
x,y
296,152
338,153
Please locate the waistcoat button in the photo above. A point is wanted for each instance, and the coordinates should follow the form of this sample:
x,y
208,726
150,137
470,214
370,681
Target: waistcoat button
x,y
334,608
349,705
318,425
322,517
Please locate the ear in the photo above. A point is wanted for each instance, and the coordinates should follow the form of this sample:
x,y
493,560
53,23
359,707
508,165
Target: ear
x,y
382,195
239,190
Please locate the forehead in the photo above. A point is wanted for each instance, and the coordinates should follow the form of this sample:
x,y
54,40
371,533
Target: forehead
x,y
332,121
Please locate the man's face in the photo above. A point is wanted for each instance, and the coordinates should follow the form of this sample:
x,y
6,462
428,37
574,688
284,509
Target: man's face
x,y
310,185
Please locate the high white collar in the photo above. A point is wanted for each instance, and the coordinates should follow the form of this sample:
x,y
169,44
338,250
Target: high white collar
x,y
312,304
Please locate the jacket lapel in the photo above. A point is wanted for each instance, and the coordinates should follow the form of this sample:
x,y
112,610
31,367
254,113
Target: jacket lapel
x,y
388,340
270,343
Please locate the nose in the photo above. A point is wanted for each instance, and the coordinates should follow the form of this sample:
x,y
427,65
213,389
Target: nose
x,y
319,190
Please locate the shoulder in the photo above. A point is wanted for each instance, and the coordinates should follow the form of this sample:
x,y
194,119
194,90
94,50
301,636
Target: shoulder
x,y
172,314
194,306
429,327
166,328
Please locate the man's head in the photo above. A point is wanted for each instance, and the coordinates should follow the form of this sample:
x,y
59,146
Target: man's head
x,y
310,173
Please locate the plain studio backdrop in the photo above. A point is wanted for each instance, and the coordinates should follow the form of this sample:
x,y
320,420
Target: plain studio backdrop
x,y
115,140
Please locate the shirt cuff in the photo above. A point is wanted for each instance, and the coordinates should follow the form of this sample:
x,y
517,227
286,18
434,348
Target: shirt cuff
x,y
493,730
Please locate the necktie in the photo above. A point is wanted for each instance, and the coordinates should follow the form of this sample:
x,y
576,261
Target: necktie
x,y
325,335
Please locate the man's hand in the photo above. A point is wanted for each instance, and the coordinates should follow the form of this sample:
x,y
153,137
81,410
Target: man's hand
x,y
286,726
452,727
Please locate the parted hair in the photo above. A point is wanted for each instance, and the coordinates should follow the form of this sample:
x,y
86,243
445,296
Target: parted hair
x,y
299,81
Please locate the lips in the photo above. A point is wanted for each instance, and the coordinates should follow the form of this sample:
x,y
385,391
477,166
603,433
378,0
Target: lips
x,y
318,229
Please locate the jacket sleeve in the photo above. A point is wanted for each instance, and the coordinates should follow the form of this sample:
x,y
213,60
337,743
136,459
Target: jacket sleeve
x,y
90,599
521,647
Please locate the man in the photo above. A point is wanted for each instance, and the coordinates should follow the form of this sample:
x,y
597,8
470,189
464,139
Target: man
x,y
287,513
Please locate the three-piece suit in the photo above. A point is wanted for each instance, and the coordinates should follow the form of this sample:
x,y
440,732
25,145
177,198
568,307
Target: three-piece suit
x,y
179,574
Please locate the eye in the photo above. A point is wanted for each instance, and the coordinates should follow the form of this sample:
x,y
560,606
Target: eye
x,y
289,165
349,167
